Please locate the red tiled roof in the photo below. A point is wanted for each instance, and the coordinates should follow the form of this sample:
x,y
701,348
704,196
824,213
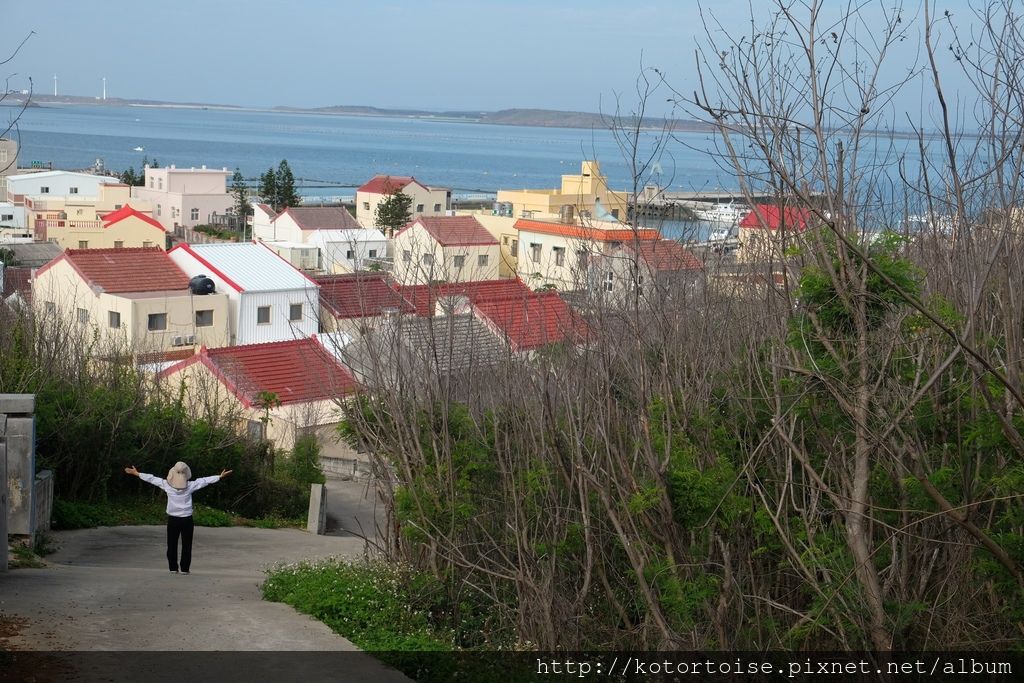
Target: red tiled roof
x,y
423,297
17,279
529,322
127,211
146,269
587,232
296,371
359,295
454,231
388,184
771,217
665,255
321,217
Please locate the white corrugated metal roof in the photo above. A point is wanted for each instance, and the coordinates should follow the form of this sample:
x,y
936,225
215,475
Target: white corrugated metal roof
x,y
254,267
321,237
107,180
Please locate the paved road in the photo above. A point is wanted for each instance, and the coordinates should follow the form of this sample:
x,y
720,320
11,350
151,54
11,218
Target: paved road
x,y
109,589
353,510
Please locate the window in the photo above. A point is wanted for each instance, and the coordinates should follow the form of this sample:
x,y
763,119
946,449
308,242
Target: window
x,y
44,190
349,254
615,213
194,214
428,259
535,252
254,429
515,247
481,260
158,212
113,319
83,316
49,306
3,156
583,258
147,244
151,183
7,217
118,244
373,253
83,244
437,208
366,206
157,322
460,261
419,208
204,318
609,281
117,206
263,315
295,312
559,255
406,256
72,190
159,183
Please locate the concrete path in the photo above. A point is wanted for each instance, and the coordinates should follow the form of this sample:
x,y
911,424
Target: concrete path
x,y
109,589
352,508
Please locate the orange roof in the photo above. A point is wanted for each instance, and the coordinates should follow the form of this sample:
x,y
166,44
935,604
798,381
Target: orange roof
x,y
127,211
587,233
533,320
146,269
296,371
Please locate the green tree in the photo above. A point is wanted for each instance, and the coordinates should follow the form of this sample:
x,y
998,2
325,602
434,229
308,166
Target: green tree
x,y
240,191
7,257
393,212
285,182
268,188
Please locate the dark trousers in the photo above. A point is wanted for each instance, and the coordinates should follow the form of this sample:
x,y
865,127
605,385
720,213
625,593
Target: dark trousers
x,y
179,526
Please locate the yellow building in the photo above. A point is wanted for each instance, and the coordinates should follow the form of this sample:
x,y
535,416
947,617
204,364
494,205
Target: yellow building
x,y
134,300
106,221
581,197
503,228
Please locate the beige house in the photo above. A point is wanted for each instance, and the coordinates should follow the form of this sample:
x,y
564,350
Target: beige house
x,y
135,299
8,163
278,391
445,249
561,256
651,269
185,196
581,197
299,223
503,228
426,201
106,221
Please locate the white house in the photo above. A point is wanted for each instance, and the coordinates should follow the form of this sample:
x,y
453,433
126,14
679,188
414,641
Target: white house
x,y
12,221
426,201
269,300
445,248
299,223
346,251
55,183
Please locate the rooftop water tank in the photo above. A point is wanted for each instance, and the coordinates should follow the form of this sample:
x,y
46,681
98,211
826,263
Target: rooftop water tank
x,y
201,284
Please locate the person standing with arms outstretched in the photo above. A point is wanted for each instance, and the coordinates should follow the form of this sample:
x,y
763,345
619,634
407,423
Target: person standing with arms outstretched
x,y
179,492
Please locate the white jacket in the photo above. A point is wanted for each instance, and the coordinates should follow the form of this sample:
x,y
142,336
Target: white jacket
x,y
179,501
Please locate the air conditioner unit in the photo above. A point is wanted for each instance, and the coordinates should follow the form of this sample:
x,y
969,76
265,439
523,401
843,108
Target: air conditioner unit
x,y
176,341
190,339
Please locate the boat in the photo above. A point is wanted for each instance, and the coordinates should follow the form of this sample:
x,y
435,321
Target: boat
x,y
139,149
720,234
722,213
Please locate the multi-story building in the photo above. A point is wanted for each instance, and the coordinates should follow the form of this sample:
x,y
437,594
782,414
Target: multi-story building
x,y
426,201
581,197
106,220
55,184
560,255
185,197
8,164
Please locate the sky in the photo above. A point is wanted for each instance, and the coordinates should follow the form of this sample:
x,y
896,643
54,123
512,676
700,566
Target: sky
x,y
467,55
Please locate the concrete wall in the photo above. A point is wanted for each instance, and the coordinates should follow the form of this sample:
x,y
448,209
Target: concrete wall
x,y
21,466
3,493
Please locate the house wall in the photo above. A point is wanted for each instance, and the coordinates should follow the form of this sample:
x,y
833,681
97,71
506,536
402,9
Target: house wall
x,y
581,191
334,256
192,267
175,192
503,229
412,245
60,183
280,328
366,203
130,232
571,274
262,224
12,219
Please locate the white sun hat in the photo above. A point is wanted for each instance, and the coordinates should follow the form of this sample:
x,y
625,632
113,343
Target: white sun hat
x,y
179,475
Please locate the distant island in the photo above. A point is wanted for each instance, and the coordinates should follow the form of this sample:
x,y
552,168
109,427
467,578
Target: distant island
x,y
545,118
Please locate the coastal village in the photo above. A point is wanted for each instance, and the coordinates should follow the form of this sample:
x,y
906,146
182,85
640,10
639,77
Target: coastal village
x,y
308,303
